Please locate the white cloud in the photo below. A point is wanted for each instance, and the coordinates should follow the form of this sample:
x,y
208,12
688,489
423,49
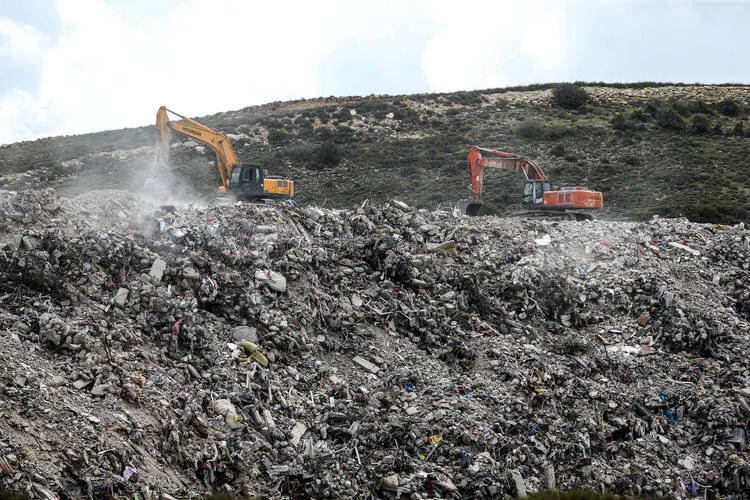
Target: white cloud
x,y
19,41
20,115
480,43
198,58
114,63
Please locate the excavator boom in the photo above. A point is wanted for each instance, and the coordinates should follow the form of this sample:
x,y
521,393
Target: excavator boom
x,y
245,181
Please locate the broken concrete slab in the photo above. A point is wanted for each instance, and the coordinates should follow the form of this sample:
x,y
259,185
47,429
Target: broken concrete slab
x,y
272,279
121,297
157,269
246,333
366,364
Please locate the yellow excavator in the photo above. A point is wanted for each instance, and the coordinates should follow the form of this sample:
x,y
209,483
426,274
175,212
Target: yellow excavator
x,y
245,181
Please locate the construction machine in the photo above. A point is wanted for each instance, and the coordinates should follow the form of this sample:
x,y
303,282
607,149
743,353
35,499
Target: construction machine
x,y
245,181
539,197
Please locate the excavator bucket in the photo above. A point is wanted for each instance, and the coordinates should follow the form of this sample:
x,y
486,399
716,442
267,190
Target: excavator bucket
x,y
469,207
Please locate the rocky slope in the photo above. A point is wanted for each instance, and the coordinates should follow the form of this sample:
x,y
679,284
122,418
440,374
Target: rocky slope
x,y
380,350
673,150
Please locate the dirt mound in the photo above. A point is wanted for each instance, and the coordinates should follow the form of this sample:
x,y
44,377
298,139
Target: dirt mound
x,y
287,351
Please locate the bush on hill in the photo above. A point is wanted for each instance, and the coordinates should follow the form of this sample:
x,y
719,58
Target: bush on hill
x,y
699,123
667,117
569,96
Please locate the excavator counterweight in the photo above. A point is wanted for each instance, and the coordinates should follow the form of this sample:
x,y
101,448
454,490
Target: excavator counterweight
x,y
538,197
245,181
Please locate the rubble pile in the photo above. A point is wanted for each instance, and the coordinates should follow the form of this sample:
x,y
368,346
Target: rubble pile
x,y
286,351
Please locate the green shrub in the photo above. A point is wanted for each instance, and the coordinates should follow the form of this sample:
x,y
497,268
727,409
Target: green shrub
x,y
305,126
328,154
343,134
219,495
682,108
638,114
406,114
699,123
270,122
653,105
343,115
689,108
558,150
465,98
277,137
376,108
323,134
438,124
569,96
7,494
557,131
667,117
530,129
700,107
618,122
729,107
571,495
622,122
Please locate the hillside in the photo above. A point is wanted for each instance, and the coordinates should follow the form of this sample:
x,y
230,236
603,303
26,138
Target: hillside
x,y
673,150
369,341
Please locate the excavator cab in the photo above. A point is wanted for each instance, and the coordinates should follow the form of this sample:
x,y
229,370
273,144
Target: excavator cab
x,y
250,181
533,192
246,180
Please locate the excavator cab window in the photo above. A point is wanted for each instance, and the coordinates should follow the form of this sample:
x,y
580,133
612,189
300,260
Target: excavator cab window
x,y
528,193
533,192
245,175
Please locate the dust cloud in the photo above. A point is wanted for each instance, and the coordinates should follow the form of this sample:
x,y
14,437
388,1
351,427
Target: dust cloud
x,y
157,184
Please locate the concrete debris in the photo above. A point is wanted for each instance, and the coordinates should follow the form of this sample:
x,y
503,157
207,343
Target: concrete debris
x,y
519,483
121,296
685,248
366,364
384,351
274,280
157,269
298,431
246,333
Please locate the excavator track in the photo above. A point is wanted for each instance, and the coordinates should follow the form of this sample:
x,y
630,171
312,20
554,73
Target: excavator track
x,y
554,215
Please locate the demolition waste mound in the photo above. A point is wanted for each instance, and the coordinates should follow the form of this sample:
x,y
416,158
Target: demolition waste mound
x,y
304,352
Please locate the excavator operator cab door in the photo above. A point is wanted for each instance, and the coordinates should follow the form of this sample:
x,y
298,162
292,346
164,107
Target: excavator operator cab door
x,y
533,193
246,179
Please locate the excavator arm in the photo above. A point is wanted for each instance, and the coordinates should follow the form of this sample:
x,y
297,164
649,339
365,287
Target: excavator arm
x,y
225,156
502,160
246,182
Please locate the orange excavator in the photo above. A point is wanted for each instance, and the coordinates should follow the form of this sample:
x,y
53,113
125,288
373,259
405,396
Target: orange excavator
x,y
245,181
539,197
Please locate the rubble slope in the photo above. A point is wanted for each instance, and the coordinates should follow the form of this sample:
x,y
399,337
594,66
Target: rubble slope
x,y
287,351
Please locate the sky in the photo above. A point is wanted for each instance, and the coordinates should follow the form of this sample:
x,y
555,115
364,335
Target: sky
x,y
78,66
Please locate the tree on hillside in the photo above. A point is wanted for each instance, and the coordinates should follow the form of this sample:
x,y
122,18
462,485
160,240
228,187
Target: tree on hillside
x,y
569,96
